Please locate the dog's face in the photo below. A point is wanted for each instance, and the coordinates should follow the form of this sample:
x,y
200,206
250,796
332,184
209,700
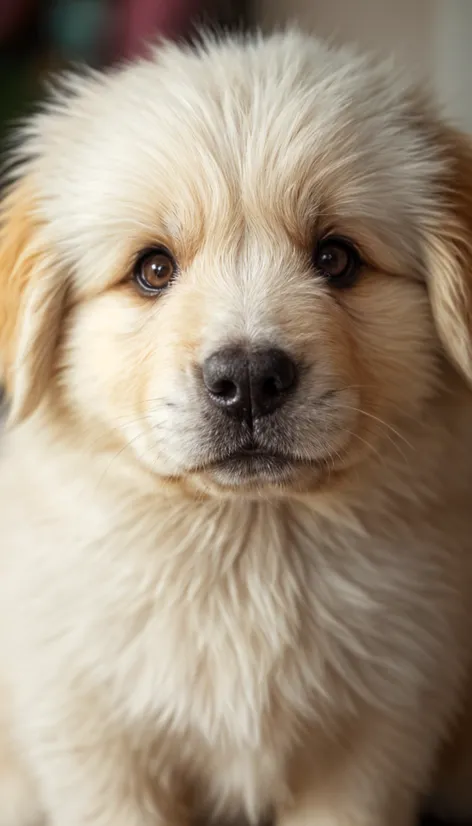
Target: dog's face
x,y
239,264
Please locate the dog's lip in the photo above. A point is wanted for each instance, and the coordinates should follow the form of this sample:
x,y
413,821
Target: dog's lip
x,y
253,457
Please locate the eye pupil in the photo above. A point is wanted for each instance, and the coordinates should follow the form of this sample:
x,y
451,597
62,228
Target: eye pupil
x,y
154,271
159,269
338,261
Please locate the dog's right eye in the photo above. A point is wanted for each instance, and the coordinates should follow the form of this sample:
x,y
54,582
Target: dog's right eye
x,y
338,261
154,270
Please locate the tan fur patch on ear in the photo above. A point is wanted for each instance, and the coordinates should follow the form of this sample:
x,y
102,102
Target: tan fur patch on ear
x,y
30,302
449,254
17,264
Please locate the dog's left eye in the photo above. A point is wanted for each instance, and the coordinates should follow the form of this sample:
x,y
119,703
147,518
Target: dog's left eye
x,y
338,261
154,270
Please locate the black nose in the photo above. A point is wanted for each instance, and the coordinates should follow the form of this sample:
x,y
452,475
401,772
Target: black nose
x,y
249,384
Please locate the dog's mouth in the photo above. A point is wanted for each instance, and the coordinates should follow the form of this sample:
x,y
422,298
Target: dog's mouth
x,y
254,462
255,466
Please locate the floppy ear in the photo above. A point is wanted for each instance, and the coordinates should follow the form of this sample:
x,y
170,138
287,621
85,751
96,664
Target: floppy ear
x,y
30,303
449,254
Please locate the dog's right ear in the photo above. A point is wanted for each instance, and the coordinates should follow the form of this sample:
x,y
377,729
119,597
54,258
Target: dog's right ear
x,y
31,297
449,252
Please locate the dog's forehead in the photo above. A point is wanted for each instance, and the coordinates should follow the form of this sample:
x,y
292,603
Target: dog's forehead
x,y
281,131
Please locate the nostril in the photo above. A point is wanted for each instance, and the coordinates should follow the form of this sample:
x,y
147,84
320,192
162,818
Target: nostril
x,y
277,375
271,388
226,381
273,376
225,389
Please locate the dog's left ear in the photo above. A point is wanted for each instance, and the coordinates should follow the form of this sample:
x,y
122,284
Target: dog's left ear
x,y
31,297
449,253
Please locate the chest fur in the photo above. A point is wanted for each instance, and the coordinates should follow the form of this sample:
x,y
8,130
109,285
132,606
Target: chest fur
x,y
231,625
234,620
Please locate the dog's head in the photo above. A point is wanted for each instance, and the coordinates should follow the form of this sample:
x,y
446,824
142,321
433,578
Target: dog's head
x,y
245,263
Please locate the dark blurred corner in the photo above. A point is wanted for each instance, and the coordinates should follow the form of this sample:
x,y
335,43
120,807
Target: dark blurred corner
x,y
41,36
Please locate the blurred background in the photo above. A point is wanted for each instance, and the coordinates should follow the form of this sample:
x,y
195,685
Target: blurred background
x,y
38,37
432,37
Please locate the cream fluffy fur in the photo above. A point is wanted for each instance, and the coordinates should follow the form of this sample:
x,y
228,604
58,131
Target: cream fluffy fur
x,y
174,646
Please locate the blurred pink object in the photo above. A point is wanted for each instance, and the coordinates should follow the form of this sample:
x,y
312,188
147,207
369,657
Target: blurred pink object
x,y
144,20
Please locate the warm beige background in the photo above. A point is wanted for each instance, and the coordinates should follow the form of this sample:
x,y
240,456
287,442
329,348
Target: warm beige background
x,y
434,37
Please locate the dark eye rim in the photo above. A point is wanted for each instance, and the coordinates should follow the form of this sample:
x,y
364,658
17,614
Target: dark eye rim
x,y
355,264
145,288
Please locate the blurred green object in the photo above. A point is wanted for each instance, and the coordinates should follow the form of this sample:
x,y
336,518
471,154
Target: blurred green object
x,y
76,29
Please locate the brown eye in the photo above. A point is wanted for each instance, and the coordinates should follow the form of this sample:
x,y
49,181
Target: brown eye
x,y
338,261
154,270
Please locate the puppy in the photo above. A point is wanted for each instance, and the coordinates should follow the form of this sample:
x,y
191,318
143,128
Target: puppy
x,y
235,494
